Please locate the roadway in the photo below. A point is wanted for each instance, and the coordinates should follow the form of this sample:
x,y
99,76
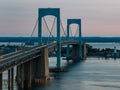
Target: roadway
x,y
16,58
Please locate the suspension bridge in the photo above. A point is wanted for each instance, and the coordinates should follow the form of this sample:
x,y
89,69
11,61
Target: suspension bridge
x,y
32,63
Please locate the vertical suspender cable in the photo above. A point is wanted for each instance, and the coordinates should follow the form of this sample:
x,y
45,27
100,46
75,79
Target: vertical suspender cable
x,y
52,28
62,28
76,31
49,30
47,27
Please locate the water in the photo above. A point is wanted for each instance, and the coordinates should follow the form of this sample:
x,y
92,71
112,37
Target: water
x,y
105,45
91,74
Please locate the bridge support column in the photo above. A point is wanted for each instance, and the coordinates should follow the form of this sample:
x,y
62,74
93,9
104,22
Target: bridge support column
x,y
18,76
68,35
58,42
11,79
84,51
80,51
68,56
75,53
0,81
58,56
42,68
22,76
80,40
9,76
30,75
25,75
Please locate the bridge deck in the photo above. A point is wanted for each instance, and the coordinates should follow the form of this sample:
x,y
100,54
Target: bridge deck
x,y
22,56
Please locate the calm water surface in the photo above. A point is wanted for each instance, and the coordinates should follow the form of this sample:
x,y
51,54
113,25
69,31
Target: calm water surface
x,y
91,74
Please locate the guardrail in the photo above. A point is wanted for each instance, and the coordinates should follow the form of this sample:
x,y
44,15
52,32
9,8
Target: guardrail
x,y
19,57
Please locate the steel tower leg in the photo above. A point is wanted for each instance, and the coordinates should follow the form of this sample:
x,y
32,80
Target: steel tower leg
x,y
39,30
67,39
58,43
55,12
80,40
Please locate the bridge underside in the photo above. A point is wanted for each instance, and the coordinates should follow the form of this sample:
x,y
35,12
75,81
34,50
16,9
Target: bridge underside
x,y
75,55
35,71
34,68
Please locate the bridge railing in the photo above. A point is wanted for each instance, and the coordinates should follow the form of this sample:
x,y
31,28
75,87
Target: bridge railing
x,y
19,57
16,52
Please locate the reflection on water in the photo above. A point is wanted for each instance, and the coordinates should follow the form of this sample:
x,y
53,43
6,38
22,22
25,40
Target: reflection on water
x,y
91,74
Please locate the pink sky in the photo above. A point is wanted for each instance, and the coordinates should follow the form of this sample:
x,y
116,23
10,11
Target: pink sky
x,y
99,17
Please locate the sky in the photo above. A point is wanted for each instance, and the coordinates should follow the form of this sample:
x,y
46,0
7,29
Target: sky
x,y
99,17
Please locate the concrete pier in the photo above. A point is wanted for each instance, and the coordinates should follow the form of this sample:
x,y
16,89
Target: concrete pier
x,y
84,51
0,81
68,52
25,75
75,53
22,76
42,67
30,75
18,79
11,79
35,71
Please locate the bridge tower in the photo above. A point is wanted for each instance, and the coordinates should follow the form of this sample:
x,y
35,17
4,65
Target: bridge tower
x,y
55,12
74,21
